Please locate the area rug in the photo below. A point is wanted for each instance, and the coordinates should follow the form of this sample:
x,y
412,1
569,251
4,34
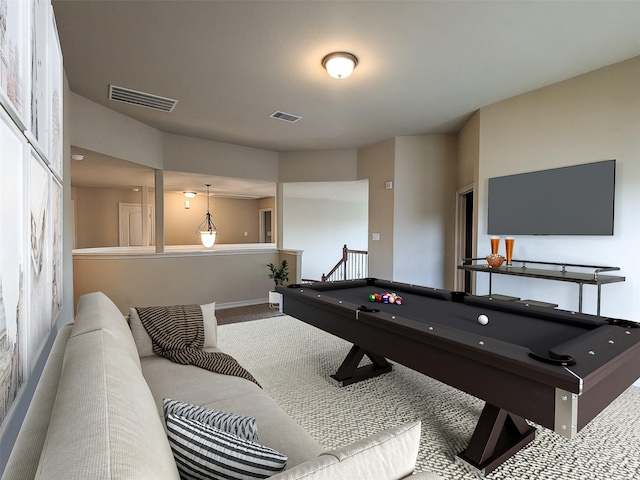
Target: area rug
x,y
293,361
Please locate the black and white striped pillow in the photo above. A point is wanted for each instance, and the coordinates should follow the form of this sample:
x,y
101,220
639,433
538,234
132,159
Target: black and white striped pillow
x,y
204,452
240,425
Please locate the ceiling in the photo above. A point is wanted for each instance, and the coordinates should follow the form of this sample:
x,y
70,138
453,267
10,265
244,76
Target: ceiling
x,y
424,66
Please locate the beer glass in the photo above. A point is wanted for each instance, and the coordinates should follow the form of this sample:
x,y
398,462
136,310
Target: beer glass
x,y
508,243
495,243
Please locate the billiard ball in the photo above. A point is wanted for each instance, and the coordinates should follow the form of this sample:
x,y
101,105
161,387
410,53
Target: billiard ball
x,y
483,319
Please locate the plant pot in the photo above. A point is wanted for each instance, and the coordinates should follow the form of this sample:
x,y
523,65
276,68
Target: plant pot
x,y
274,299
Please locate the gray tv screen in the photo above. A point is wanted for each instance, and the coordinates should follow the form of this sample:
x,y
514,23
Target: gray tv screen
x,y
575,200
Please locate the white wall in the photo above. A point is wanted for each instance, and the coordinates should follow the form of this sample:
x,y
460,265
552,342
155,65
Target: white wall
x,y
424,210
319,166
322,225
589,118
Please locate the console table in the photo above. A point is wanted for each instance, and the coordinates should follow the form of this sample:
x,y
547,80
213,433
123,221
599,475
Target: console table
x,y
521,268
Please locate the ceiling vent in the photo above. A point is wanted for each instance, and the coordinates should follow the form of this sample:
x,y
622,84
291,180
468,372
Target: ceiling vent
x,y
285,117
141,99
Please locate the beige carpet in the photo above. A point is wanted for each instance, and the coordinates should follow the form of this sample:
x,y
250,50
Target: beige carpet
x,y
293,361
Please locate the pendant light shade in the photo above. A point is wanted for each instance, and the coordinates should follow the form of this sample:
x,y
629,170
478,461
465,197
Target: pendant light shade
x,y
207,230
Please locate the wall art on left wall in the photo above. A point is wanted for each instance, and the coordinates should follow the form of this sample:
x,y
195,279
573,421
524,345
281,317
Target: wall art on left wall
x,y
15,90
13,148
31,193
40,264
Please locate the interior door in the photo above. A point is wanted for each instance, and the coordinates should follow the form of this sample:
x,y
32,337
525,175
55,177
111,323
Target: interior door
x,y
130,229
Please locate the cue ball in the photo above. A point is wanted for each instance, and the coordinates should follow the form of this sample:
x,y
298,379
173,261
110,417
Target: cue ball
x,y
483,319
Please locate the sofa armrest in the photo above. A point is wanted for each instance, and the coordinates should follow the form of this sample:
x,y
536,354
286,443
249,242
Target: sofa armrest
x,y
424,476
388,455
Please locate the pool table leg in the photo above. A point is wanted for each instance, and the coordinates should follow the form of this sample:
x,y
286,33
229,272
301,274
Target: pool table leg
x,y
349,372
498,435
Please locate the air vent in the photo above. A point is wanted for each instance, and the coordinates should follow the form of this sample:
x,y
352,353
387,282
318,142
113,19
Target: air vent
x,y
142,99
285,117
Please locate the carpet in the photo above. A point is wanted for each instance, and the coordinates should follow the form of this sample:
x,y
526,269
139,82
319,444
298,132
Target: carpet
x,y
293,361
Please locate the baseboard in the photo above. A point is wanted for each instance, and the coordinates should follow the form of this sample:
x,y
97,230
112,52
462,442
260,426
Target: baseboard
x,y
242,303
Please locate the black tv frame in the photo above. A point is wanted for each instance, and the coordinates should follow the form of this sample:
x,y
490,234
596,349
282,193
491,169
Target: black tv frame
x,y
573,200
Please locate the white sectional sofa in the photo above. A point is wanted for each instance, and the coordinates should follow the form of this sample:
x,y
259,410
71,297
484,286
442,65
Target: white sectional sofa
x,y
97,414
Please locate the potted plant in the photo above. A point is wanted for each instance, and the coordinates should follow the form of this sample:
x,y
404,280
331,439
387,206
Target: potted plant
x,y
279,274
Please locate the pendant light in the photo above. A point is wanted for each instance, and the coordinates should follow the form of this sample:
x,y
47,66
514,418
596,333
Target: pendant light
x,y
207,230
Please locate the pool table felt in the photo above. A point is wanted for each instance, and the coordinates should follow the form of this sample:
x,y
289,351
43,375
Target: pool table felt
x,y
539,335
514,329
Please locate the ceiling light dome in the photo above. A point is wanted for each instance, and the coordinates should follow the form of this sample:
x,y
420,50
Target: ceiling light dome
x,y
340,64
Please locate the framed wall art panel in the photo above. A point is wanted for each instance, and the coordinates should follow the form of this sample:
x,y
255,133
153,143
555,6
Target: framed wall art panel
x,y
56,248
15,87
55,98
40,84
13,324
40,264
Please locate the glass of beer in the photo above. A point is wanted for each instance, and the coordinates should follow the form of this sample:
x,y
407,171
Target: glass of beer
x,y
495,243
508,243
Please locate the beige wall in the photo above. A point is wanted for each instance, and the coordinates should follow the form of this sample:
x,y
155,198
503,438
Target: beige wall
x,y
232,217
96,214
103,130
194,155
227,278
415,219
376,163
424,209
323,166
469,152
467,176
97,217
589,118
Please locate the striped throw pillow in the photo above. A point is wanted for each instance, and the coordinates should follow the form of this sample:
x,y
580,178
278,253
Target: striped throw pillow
x,y
239,425
204,452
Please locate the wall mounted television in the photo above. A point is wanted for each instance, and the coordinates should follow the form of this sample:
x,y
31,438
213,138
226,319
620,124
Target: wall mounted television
x,y
575,200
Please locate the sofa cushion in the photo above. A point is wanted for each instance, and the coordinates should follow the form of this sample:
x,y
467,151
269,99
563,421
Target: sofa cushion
x,y
230,394
239,425
96,311
104,424
390,454
143,340
203,451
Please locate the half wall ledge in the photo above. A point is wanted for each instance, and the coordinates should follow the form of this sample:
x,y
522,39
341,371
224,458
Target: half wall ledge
x,y
188,274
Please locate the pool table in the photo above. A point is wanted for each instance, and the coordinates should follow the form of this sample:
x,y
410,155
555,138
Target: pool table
x,y
556,368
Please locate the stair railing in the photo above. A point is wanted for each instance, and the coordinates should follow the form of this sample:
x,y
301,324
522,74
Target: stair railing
x,y
353,265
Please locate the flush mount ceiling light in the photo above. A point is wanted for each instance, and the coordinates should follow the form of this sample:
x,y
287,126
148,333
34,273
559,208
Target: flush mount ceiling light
x,y
340,64
77,156
189,194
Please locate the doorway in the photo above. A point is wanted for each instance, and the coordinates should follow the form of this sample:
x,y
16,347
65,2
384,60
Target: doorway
x,y
464,237
266,226
130,225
